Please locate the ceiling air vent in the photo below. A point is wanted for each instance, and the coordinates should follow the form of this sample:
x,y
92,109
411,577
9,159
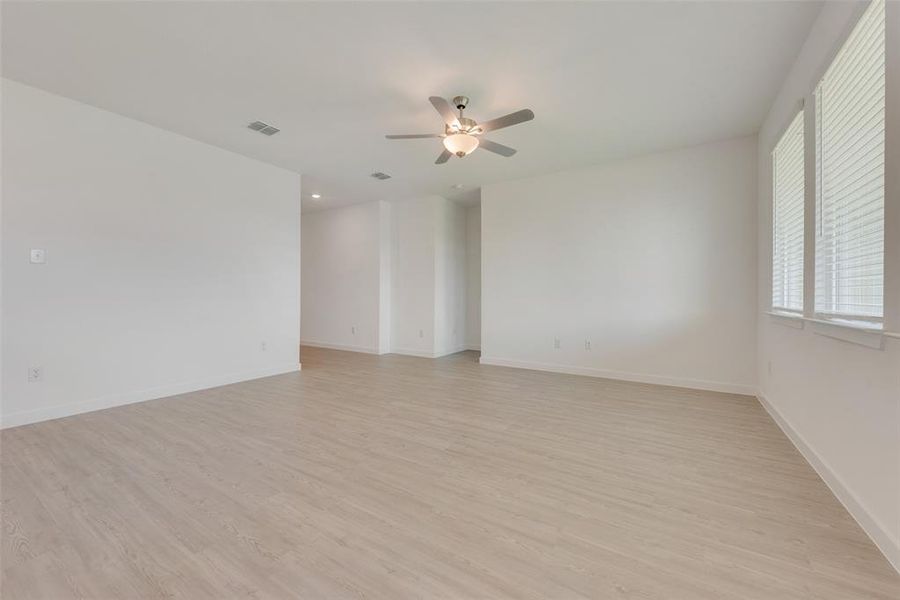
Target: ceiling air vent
x,y
263,128
380,175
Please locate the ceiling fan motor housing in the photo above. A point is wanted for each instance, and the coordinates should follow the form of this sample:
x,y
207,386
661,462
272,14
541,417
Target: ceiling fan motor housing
x,y
460,102
466,125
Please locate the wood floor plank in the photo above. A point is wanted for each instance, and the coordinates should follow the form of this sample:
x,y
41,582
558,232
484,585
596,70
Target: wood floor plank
x,y
399,477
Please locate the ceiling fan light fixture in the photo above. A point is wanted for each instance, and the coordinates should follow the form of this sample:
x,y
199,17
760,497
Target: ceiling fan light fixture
x,y
460,144
459,136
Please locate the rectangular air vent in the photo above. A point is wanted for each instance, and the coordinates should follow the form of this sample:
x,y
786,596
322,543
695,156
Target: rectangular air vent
x,y
263,128
380,175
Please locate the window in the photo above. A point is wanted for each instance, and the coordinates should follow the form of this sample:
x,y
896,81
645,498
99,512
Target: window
x,y
787,219
850,176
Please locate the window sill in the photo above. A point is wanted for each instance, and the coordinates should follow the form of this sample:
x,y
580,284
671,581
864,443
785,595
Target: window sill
x,y
848,324
855,332
793,320
850,331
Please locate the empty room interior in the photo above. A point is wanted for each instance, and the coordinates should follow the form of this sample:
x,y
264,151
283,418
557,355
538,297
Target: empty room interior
x,y
460,300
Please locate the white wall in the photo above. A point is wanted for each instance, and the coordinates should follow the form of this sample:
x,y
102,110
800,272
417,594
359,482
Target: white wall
x,y
386,277
428,292
450,278
169,262
342,277
652,260
840,402
473,277
412,271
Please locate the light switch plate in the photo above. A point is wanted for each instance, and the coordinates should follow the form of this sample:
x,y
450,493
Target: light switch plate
x,y
38,256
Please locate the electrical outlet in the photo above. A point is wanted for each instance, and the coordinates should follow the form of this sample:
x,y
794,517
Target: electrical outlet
x,y
35,374
263,346
587,345
353,329
421,333
556,343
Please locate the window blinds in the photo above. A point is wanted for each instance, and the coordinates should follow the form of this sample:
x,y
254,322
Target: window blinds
x,y
787,219
850,175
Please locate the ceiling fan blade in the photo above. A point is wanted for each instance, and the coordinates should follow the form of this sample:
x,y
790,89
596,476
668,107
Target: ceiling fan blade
x,y
495,147
520,116
412,136
444,157
446,112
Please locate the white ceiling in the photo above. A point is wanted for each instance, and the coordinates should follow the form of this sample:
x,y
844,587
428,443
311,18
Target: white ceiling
x,y
605,80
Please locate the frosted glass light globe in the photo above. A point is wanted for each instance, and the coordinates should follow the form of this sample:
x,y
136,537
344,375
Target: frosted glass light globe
x,y
460,144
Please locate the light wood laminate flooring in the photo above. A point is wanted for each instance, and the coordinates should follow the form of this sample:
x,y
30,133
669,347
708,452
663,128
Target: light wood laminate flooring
x,y
398,477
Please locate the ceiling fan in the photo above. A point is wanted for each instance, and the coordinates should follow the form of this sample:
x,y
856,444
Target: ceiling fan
x,y
462,135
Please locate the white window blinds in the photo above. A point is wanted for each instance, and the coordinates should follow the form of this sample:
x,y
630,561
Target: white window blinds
x,y
850,175
787,219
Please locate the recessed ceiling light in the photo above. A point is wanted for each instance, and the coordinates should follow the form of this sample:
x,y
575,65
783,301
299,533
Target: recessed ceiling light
x,y
316,196
458,186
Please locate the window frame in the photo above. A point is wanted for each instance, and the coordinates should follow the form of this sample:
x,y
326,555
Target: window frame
x,y
801,117
853,320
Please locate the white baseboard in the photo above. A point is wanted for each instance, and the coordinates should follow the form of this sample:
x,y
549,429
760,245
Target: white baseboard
x,y
449,352
889,546
344,347
412,352
426,353
27,417
476,347
683,382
